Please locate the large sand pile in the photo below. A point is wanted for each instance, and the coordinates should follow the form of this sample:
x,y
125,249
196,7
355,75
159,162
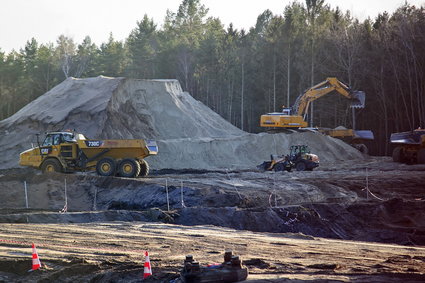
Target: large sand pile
x,y
189,134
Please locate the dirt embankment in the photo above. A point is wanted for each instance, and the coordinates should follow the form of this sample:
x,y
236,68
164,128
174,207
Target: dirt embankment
x,y
189,134
324,203
330,202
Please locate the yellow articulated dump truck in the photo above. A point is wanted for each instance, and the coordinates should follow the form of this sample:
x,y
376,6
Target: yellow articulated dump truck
x,y
67,152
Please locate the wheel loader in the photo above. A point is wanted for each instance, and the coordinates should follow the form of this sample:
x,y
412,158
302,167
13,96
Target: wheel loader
x,y
67,152
299,158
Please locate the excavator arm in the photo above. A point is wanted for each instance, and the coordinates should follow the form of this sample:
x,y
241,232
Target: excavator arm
x,y
294,117
330,84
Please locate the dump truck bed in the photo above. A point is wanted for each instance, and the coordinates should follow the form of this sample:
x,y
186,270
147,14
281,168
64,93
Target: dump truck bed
x,y
135,148
411,137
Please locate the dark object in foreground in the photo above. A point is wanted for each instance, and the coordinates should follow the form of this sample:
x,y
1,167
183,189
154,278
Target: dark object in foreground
x,y
299,158
231,270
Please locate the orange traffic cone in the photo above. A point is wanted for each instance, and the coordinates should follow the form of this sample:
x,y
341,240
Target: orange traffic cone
x,y
36,264
147,270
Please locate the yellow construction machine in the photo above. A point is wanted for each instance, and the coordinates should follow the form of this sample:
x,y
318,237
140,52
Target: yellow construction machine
x,y
66,151
410,146
294,117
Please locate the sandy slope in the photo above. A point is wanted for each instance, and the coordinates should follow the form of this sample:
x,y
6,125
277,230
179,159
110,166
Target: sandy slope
x,y
189,134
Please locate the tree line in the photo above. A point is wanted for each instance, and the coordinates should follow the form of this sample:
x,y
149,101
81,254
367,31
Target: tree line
x,y
242,74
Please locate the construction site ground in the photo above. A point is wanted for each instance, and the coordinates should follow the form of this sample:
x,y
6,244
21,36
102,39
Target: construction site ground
x,y
352,221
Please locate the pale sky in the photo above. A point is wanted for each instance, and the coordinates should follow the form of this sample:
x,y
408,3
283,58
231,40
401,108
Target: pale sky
x,y
45,20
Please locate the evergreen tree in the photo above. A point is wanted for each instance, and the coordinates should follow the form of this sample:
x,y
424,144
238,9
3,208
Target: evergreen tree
x,y
142,45
112,59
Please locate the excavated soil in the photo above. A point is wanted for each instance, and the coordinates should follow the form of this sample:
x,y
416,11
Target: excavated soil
x,y
353,219
286,227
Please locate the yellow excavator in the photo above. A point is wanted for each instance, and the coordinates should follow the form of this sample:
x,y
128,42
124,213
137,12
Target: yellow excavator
x,y
294,117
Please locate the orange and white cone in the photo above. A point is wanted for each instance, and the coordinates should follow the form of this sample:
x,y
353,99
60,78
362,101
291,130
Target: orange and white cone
x,y
147,270
36,264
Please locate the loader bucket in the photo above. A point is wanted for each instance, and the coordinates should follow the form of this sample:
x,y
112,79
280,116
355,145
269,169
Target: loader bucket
x,y
359,98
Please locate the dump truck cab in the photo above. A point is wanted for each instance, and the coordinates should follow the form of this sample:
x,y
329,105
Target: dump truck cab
x,y
58,152
66,151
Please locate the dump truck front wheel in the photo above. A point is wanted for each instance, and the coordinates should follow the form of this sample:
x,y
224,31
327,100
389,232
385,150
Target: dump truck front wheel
x,y
51,165
398,154
144,168
106,167
129,168
421,156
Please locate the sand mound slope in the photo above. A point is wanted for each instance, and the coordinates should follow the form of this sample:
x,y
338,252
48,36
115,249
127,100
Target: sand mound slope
x,y
190,134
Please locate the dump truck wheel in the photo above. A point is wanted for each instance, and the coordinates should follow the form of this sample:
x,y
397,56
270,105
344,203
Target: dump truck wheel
x,y
51,165
129,168
279,167
301,166
421,156
144,168
398,154
106,167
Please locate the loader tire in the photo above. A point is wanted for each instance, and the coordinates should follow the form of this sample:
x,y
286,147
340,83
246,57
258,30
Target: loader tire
x,y
51,165
144,168
129,168
279,167
421,156
301,166
398,154
106,167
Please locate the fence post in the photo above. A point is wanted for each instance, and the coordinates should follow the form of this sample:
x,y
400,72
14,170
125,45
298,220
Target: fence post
x,y
181,190
166,190
26,194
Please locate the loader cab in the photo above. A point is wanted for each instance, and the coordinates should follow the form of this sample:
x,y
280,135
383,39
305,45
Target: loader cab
x,y
298,150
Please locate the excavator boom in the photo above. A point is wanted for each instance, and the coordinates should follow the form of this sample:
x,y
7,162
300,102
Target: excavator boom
x,y
330,84
293,117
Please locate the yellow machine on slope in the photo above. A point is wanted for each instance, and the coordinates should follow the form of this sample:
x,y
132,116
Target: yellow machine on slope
x,y
69,152
294,117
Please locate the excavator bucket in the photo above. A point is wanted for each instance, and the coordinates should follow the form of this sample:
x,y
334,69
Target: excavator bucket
x,y
359,98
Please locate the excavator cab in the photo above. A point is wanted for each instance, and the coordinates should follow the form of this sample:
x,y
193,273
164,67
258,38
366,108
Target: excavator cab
x,y
286,111
294,117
